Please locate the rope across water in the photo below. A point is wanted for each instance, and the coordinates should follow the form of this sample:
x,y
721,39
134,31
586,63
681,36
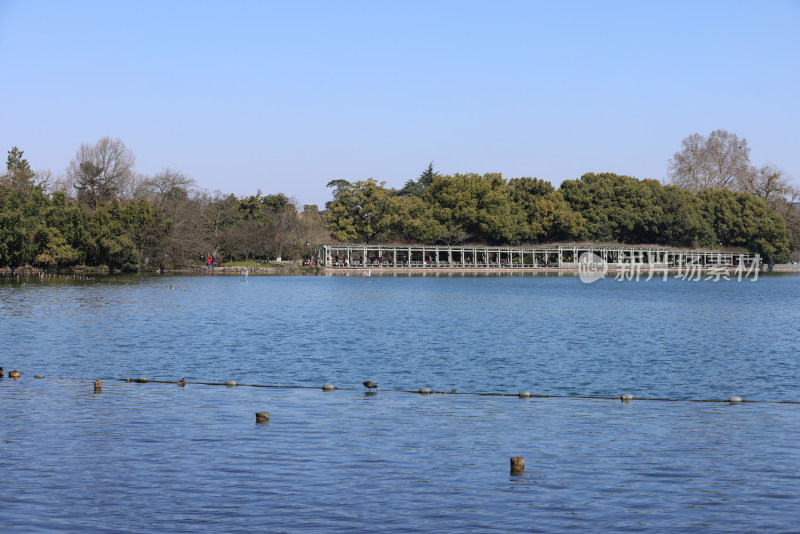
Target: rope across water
x,y
625,397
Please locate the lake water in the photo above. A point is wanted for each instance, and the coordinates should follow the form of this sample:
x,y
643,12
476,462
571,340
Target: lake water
x,y
156,457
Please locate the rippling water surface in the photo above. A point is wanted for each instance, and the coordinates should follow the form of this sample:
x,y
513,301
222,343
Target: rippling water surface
x,y
155,457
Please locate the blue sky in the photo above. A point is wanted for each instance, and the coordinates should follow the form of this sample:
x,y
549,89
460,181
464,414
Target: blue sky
x,y
286,96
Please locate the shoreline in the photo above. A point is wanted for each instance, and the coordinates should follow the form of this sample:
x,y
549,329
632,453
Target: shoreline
x,y
643,270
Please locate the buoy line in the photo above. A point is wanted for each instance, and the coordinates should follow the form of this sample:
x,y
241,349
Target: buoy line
x,y
625,397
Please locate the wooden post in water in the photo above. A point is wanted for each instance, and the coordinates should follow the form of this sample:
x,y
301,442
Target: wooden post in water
x,y
262,417
98,385
517,465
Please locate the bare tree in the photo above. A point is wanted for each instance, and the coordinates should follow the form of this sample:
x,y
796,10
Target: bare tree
x,y
170,191
218,211
63,183
136,188
721,160
767,182
46,180
101,172
793,196
312,226
169,186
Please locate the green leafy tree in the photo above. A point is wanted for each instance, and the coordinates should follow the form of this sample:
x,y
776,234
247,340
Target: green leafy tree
x,y
362,211
53,250
550,218
742,220
526,191
415,223
477,206
789,208
338,187
20,222
71,222
127,238
683,222
616,208
15,232
555,219
252,209
148,229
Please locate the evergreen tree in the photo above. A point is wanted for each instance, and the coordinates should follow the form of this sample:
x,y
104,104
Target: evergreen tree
x,y
18,171
417,188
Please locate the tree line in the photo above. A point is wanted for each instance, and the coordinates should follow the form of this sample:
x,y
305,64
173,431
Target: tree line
x,y
101,212
606,207
715,199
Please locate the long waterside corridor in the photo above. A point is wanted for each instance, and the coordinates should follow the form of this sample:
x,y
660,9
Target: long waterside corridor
x,y
522,257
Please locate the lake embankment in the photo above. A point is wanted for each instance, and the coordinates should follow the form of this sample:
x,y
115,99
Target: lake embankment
x,y
643,270
292,269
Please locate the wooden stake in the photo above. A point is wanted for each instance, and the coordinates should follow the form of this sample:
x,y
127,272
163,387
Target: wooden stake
x,y
517,465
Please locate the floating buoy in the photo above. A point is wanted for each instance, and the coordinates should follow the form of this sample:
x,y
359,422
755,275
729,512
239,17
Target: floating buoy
x,y
517,465
626,397
328,387
230,383
425,391
524,394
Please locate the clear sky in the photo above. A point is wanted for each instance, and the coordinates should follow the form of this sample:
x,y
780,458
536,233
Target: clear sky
x,y
285,96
